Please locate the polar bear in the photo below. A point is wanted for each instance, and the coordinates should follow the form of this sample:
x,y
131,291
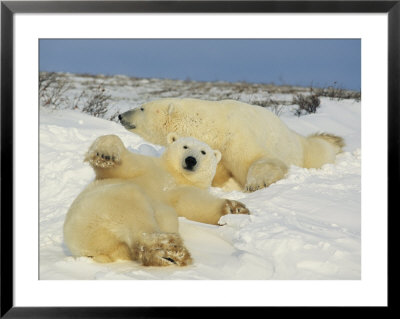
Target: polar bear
x,y
130,211
257,147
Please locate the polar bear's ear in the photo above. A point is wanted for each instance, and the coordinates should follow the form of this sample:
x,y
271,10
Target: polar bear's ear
x,y
172,137
218,155
170,108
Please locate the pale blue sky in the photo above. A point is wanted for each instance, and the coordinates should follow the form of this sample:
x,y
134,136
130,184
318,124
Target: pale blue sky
x,y
296,62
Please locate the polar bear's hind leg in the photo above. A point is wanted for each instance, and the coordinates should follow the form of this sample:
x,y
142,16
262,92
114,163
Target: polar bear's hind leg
x,y
321,149
121,252
264,172
105,247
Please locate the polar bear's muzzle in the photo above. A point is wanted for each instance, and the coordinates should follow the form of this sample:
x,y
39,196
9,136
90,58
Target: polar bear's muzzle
x,y
123,118
190,163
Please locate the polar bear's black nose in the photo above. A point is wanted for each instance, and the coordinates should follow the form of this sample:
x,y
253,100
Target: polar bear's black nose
x,y
190,162
120,117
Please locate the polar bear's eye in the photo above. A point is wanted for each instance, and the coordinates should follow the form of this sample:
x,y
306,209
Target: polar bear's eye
x,y
203,152
185,147
142,109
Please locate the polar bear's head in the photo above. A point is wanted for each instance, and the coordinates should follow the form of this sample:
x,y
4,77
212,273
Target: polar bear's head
x,y
154,120
192,160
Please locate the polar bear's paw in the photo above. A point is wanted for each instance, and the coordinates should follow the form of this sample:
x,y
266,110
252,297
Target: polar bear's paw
x,y
105,152
162,249
103,160
234,207
263,173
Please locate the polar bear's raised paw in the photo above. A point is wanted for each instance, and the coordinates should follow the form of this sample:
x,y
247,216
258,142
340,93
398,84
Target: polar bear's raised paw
x,y
162,249
105,152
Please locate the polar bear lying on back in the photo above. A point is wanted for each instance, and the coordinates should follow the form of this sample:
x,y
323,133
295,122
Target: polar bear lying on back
x,y
257,147
131,209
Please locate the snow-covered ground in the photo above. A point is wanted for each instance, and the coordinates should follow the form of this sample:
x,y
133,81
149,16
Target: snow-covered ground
x,y
306,226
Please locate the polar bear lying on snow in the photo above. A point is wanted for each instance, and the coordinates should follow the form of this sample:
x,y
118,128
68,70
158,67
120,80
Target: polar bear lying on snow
x,y
257,147
131,209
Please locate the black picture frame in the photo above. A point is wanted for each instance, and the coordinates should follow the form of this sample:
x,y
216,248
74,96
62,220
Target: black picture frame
x,y
9,8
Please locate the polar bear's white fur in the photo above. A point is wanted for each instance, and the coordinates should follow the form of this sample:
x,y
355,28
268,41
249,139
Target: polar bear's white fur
x,y
257,147
131,209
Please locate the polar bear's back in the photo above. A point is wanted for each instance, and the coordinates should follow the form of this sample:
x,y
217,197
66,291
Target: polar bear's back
x,y
250,124
236,114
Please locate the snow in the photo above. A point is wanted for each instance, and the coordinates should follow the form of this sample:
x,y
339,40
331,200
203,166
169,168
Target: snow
x,y
306,226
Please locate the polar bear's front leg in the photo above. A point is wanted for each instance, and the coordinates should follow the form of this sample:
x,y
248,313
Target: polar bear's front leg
x,y
199,205
264,172
105,152
110,159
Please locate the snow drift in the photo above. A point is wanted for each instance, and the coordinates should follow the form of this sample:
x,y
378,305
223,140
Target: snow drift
x,y
306,226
